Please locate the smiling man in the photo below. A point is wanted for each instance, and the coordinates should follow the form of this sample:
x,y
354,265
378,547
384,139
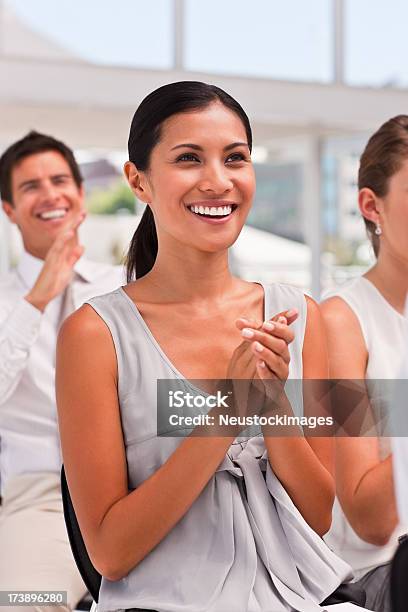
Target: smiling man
x,y
42,193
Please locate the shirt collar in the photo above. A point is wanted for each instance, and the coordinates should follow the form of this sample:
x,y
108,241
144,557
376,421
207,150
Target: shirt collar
x,y
29,268
85,269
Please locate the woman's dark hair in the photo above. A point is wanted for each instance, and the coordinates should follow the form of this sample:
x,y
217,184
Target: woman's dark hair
x,y
145,133
382,157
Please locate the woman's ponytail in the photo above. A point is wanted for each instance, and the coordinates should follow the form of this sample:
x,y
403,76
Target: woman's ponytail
x,y
143,247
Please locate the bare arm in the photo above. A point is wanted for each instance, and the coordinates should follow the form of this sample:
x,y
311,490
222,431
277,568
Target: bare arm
x,y
364,483
119,528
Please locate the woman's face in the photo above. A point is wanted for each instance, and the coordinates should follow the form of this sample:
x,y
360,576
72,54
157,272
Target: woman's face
x,y
393,215
200,181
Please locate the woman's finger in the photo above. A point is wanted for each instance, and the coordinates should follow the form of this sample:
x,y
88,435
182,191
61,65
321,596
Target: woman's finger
x,y
277,366
281,332
289,315
286,317
273,343
263,371
243,322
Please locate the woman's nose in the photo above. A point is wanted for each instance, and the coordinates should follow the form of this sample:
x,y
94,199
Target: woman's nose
x,y
216,180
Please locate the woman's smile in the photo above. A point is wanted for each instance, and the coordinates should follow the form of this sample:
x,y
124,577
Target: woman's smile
x,y
213,211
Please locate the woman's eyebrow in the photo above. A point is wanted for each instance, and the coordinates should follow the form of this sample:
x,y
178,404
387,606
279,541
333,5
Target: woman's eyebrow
x,y
196,147
236,144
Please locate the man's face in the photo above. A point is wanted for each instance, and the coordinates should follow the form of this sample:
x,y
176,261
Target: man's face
x,y
45,199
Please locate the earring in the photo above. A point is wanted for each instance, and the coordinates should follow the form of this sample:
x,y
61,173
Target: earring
x,y
378,230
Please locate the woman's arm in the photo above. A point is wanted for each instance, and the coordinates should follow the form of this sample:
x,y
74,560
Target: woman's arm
x,y
119,528
364,483
304,465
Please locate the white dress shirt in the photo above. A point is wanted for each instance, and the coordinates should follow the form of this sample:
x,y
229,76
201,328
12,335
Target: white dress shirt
x,y
29,439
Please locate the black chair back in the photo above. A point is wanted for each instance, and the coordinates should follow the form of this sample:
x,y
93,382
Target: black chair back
x,y
90,575
399,578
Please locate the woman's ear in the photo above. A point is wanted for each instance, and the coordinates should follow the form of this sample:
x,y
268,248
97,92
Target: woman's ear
x,y
138,182
370,205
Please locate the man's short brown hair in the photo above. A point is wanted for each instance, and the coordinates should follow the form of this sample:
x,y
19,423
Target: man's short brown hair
x,y
31,144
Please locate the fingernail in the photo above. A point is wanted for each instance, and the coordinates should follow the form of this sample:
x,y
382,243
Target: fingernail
x,y
247,333
261,364
258,347
291,312
281,320
268,326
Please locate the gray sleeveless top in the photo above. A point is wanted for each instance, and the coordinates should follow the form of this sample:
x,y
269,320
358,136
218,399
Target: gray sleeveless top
x,y
242,548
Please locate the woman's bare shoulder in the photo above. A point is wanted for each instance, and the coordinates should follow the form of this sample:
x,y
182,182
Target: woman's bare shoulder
x,y
85,322
347,349
84,334
337,311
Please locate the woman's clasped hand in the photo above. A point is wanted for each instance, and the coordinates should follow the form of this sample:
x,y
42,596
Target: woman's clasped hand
x,y
269,343
259,366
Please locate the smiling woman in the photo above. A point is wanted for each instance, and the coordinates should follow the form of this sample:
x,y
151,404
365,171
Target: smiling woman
x,y
208,522
218,159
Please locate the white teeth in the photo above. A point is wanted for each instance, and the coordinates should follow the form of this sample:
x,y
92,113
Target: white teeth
x,y
212,211
53,214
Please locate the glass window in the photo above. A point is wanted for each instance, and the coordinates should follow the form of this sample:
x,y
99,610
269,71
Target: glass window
x,y
123,32
376,43
347,251
289,40
278,207
272,245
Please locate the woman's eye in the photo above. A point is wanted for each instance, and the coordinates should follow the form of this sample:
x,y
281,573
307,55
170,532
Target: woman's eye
x,y
236,157
188,157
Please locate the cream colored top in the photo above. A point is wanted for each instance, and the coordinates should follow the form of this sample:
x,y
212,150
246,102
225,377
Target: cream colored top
x,y
383,330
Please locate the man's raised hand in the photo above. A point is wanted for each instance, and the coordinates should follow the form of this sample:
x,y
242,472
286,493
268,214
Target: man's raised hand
x,y
57,270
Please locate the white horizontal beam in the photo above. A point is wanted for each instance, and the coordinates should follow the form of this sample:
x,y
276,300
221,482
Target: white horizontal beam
x,y
95,104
